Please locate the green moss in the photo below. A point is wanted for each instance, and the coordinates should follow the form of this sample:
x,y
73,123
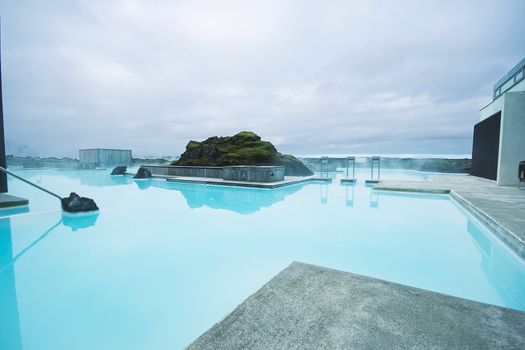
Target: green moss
x,y
244,148
192,144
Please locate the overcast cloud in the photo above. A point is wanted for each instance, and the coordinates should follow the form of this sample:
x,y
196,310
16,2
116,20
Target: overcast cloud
x,y
313,77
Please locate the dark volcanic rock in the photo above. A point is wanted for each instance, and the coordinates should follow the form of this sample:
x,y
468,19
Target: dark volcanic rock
x,y
245,148
142,173
76,204
120,170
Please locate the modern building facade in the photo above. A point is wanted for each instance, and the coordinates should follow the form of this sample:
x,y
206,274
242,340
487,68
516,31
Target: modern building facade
x,y
103,157
3,177
499,137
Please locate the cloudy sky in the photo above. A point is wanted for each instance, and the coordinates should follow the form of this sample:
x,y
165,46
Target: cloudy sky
x,y
313,77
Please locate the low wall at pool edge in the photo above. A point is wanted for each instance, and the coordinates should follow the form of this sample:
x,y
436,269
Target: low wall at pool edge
x,y
249,173
253,173
191,171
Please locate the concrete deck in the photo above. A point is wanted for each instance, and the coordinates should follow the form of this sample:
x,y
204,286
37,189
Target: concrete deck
x,y
9,201
288,180
500,208
311,307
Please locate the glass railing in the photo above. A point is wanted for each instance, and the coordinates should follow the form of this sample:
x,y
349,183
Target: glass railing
x,y
513,77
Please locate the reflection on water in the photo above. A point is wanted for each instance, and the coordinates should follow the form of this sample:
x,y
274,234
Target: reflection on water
x,y
143,184
13,211
349,194
323,190
240,200
79,221
95,178
10,336
101,178
374,199
119,180
497,264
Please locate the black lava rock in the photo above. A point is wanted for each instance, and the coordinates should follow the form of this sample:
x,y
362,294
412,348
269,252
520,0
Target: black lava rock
x,y
120,170
142,173
76,204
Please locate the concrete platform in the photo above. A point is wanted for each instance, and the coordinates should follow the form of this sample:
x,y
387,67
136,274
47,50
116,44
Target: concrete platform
x,y
10,201
312,307
372,181
288,180
500,208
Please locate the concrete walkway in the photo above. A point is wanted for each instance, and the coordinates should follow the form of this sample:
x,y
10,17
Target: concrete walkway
x,y
311,307
288,180
502,209
9,201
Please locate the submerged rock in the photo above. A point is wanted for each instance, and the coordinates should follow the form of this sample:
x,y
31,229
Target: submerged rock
x,y
76,204
142,173
120,170
244,148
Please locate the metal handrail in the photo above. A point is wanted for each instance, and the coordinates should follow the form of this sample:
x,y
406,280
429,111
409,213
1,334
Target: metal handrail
x,y
5,171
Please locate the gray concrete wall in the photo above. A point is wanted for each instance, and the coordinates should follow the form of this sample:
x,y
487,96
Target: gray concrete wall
x,y
191,171
233,173
87,157
254,173
492,108
497,105
512,138
113,157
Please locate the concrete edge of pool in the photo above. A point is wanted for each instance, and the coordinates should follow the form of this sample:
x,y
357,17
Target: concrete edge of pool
x,y
268,185
313,307
8,201
288,181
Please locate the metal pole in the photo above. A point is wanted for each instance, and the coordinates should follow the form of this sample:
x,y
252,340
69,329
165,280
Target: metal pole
x,y
324,166
5,171
3,177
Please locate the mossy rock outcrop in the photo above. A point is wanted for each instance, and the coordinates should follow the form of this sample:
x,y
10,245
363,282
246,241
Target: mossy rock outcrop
x,y
244,148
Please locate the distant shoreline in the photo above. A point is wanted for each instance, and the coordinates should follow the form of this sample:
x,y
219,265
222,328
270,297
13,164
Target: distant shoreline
x,y
419,163
397,156
440,165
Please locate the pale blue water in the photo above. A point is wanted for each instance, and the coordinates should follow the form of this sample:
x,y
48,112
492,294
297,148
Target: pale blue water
x,y
163,262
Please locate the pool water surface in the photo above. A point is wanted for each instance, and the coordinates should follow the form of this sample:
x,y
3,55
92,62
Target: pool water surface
x,y
162,262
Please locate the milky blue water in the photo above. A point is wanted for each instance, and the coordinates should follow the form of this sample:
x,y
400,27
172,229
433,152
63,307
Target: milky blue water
x,y
162,262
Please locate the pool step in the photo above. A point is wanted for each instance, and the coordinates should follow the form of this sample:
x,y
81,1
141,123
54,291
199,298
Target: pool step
x,y
10,201
374,181
348,181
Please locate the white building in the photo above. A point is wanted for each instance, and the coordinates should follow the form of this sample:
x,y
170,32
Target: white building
x,y
499,137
